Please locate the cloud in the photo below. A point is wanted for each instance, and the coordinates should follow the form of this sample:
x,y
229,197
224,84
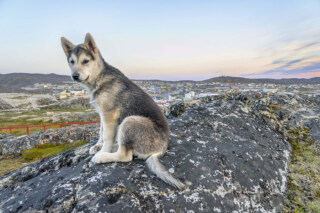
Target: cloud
x,y
298,56
305,46
311,70
288,64
280,75
277,62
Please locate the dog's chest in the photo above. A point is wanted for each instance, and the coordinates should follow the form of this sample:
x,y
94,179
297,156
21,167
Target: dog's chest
x,y
102,102
95,103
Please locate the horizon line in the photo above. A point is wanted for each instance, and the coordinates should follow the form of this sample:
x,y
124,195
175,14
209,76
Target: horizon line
x,y
136,79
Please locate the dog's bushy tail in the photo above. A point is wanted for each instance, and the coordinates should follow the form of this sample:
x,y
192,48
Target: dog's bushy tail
x,y
157,168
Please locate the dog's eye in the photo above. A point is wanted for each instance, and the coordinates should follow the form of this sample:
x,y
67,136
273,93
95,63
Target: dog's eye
x,y
85,61
72,61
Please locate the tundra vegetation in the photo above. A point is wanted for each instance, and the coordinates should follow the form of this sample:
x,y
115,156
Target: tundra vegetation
x,y
304,176
29,156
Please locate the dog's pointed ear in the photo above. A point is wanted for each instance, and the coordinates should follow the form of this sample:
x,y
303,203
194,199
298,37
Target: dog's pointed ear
x,y
90,44
67,46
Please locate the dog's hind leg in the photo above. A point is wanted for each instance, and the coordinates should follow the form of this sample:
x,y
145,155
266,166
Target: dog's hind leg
x,y
123,154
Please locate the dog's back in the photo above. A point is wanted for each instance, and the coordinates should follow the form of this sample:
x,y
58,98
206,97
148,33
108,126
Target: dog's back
x,y
131,99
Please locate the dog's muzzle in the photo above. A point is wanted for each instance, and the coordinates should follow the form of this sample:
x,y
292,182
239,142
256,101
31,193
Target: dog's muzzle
x,y
75,77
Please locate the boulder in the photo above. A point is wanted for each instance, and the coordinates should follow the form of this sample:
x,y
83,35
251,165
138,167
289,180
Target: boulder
x,y
232,161
176,110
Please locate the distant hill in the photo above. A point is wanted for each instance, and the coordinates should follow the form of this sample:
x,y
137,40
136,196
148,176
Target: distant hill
x,y
19,80
14,82
229,79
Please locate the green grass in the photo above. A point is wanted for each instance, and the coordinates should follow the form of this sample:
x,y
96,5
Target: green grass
x,y
12,163
47,150
30,156
304,176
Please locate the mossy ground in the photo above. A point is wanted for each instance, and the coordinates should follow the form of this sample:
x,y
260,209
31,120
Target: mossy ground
x,y
12,163
274,107
30,156
304,173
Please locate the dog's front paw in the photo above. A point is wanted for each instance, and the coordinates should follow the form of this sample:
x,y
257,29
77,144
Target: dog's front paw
x,y
94,149
100,157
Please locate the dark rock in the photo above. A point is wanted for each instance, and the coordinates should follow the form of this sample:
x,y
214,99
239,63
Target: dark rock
x,y
241,97
314,125
283,114
261,107
5,135
278,100
235,160
176,110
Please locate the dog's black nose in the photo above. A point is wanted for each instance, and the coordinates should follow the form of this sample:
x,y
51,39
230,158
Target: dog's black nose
x,y
75,77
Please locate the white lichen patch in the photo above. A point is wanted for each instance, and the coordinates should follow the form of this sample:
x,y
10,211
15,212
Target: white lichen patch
x,y
249,155
211,110
193,198
256,188
283,185
93,179
215,209
5,181
179,141
286,154
66,186
221,191
258,155
82,150
171,170
173,135
202,142
192,161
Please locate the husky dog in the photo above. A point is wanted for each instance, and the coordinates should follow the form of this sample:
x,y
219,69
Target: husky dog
x,y
128,115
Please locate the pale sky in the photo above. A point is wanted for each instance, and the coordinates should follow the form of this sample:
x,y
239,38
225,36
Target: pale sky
x,y
169,40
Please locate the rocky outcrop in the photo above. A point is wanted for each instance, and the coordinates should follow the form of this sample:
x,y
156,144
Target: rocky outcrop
x,y
23,101
13,145
227,148
288,111
74,116
70,103
5,135
4,105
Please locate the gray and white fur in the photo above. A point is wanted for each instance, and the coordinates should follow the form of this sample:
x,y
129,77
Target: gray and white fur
x,y
128,115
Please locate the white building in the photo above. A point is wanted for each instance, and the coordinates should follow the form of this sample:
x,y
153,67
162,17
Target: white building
x,y
201,95
189,96
269,90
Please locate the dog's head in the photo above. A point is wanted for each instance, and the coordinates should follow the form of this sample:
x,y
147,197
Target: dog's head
x,y
83,59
